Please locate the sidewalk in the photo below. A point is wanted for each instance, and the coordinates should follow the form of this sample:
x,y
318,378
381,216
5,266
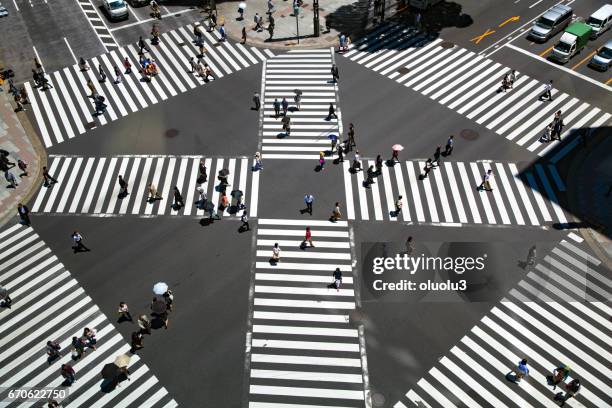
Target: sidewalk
x,y
350,15
22,143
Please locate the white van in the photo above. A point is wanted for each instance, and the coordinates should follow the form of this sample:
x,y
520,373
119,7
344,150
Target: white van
x,y
600,20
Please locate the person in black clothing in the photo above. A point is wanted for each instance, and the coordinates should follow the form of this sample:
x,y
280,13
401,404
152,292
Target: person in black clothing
x,y
178,198
370,174
24,214
337,275
331,112
437,155
123,187
378,164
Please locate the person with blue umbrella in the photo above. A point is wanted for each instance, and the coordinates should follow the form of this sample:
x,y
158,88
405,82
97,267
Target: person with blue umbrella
x,y
334,142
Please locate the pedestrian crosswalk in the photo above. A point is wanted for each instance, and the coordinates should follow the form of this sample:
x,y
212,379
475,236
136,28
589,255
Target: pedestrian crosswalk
x,y
310,72
97,23
468,84
49,304
89,185
558,315
66,110
449,195
304,350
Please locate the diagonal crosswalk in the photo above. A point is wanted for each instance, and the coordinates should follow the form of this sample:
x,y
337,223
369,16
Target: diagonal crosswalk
x,y
449,194
49,304
66,110
468,83
304,351
309,71
557,315
89,185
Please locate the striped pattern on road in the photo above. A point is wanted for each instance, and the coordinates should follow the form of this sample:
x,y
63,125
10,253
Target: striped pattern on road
x,y
309,71
89,185
530,196
49,304
66,110
557,315
468,84
304,352
95,19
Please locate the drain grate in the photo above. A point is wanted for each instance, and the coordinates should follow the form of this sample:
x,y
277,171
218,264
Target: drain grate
x,y
403,70
469,134
447,44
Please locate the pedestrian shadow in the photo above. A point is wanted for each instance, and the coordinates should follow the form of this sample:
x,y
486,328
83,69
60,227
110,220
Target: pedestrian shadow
x,y
318,168
242,229
393,214
205,222
152,200
511,376
273,262
282,135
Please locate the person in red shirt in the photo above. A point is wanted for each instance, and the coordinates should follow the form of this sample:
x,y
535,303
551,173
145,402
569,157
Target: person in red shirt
x,y
308,238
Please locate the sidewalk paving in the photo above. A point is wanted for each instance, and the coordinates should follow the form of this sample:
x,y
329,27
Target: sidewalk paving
x,y
21,142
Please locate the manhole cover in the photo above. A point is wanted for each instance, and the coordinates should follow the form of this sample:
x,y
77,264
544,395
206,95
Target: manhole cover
x,y
447,44
469,134
172,133
378,400
403,70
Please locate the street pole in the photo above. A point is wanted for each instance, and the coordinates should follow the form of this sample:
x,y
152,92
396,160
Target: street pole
x,y
315,18
296,12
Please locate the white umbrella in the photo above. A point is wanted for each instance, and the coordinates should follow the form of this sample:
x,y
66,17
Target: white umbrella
x,y
242,5
160,288
122,360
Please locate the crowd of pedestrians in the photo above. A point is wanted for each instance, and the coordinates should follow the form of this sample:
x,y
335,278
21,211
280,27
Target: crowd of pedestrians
x,y
558,378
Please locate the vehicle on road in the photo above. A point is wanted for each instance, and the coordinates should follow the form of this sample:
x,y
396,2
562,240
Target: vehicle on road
x,y
116,9
575,37
603,59
423,4
601,20
551,22
139,3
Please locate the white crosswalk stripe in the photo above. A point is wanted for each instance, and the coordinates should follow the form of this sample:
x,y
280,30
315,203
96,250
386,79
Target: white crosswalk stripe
x,y
304,352
309,72
530,196
66,110
89,185
49,304
469,83
547,318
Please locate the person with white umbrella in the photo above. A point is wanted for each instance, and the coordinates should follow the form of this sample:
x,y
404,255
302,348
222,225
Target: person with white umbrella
x,y
396,148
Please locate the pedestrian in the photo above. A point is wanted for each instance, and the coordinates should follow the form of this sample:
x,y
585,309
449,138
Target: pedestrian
x,y
559,374
223,202
571,389
222,33
23,166
522,370
178,199
342,43
297,98
336,214
557,126
257,101
127,65
123,187
10,177
90,337
370,174
24,95
83,65
511,78
68,373
117,72
331,112
437,155
277,106
285,106
276,253
142,45
201,50
308,199
334,73
486,181
202,172
92,89
137,341
244,36
18,102
307,238
450,143
258,165
53,351
245,221
153,194
99,105
78,348
24,214
257,19
547,91
270,8
334,143
77,238
409,246
398,206
356,166
193,65
155,34
337,280
144,324
321,161
5,298
169,299
124,313
394,156
378,164
531,257
102,74
271,27
53,404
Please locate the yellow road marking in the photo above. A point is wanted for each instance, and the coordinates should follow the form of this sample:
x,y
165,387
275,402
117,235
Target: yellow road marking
x,y
582,62
515,18
546,51
480,37
608,81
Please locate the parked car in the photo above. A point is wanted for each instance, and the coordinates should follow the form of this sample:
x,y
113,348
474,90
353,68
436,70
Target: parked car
x,y
603,59
116,9
573,40
601,20
551,22
139,3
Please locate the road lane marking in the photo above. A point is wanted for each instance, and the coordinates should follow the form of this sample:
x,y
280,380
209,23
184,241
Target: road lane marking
x,y
546,51
479,38
583,61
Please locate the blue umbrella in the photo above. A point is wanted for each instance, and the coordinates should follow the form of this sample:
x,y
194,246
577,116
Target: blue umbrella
x,y
332,137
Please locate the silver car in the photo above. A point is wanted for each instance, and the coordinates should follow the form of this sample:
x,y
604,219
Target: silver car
x,y
603,59
551,22
116,9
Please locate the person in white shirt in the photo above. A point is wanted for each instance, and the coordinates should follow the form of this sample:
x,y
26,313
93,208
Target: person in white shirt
x,y
276,253
547,91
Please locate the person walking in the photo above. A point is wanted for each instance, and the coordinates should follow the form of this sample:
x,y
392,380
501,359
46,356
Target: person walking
x,y
117,73
47,177
370,174
522,370
23,166
67,372
557,126
450,143
153,193
337,280
409,246
222,33
331,112
486,181
350,143
394,156
24,214
142,45
277,107
202,172
257,101
123,187
427,168
77,238
101,74
437,155
53,351
124,313
511,78
559,374
11,179
321,161
90,338
83,65
308,199
285,106
92,89
297,98
244,218
340,151
244,36
178,199
334,73
5,298
276,253
547,92
571,389
336,214
19,103
531,258
307,238
79,348
258,20
258,165
127,65
144,324
136,341
356,166
398,206
271,27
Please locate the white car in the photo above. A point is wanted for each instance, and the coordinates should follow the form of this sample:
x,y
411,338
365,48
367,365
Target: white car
x,y
116,9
